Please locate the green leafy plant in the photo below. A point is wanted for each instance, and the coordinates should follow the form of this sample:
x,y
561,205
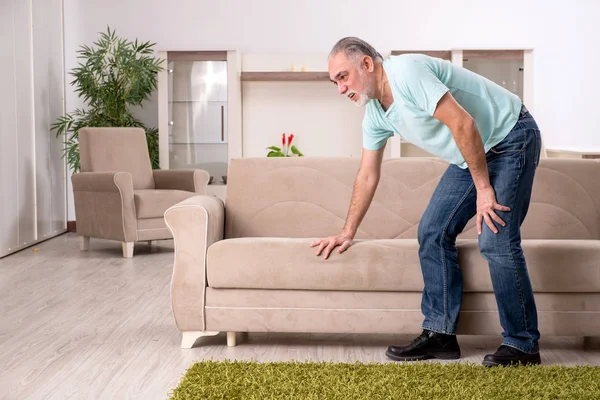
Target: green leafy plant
x,y
112,78
286,147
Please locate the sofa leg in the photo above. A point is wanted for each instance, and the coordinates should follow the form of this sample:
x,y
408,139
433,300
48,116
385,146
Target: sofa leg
x,y
84,243
591,342
231,339
189,338
127,249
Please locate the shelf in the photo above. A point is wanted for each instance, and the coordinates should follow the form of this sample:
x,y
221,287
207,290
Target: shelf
x,y
286,76
489,55
195,143
443,54
196,101
573,153
576,151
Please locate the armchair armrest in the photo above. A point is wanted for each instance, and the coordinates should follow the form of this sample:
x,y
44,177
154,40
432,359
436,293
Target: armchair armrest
x,y
104,205
102,181
191,180
195,223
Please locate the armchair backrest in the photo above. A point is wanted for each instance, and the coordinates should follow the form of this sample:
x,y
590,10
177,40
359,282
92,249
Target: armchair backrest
x,y
117,150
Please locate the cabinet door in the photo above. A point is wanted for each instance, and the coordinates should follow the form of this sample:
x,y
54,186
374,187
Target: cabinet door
x,y
48,98
504,67
210,123
9,198
199,122
197,81
24,168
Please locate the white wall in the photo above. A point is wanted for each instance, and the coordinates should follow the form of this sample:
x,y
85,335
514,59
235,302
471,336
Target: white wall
x,y
564,38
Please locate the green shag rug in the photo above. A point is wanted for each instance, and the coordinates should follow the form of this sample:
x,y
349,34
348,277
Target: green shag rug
x,y
461,381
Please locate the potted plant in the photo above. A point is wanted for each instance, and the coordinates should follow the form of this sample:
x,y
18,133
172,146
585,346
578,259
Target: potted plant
x,y
286,147
112,78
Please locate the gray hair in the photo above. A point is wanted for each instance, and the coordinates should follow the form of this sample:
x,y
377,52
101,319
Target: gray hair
x,y
355,48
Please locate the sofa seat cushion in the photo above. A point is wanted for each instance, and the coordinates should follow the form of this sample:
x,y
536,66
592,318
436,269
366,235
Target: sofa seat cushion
x,y
150,203
389,265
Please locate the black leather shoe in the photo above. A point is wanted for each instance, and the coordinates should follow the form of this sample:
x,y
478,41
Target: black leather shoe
x,y
506,355
427,345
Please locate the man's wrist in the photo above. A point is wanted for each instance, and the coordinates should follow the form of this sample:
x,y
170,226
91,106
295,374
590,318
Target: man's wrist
x,y
483,186
481,180
347,232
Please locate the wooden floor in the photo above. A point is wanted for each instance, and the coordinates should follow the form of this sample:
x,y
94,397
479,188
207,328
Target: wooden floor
x,y
96,326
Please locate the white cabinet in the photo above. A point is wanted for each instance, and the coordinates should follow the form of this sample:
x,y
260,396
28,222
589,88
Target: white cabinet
x,y
199,100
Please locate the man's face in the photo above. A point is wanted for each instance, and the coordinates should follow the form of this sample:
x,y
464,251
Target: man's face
x,y
357,82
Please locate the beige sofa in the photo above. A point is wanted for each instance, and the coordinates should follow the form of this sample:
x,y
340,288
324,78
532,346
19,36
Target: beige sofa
x,y
248,267
117,194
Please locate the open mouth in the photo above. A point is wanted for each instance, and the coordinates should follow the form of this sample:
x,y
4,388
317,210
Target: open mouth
x,y
352,95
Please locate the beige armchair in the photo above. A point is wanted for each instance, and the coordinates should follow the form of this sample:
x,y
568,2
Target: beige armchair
x,y
118,196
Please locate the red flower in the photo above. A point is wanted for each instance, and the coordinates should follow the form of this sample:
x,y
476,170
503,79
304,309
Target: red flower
x,y
283,139
290,139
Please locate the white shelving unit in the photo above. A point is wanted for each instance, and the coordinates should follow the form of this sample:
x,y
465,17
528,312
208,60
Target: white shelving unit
x,y
224,129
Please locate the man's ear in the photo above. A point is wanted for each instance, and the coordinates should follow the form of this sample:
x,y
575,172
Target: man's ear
x,y
368,64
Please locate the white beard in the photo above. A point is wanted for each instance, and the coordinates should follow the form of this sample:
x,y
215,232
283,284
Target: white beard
x,y
366,95
363,98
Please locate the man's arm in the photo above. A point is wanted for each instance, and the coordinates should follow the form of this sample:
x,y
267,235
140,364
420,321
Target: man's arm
x,y
365,186
467,138
469,142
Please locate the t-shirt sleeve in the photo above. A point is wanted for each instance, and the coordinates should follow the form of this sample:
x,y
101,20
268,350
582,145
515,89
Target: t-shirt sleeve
x,y
420,85
374,137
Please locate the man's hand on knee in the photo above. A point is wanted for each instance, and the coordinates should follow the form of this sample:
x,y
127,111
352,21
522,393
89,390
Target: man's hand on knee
x,y
486,210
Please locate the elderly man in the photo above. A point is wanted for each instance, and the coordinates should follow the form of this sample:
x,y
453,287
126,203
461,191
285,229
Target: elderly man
x,y
492,144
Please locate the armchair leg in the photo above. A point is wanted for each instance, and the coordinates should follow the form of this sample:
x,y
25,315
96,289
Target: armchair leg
x,y
127,249
84,243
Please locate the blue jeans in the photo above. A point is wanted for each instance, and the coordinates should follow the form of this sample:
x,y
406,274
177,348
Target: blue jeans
x,y
511,166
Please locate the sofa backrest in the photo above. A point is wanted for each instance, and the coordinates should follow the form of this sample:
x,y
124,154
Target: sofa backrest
x,y
117,150
309,197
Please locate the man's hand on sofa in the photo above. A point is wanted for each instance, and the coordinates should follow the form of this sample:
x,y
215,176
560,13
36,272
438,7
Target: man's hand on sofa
x,y
330,243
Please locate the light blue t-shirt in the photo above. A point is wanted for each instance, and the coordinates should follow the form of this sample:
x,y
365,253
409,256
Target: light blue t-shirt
x,y
418,82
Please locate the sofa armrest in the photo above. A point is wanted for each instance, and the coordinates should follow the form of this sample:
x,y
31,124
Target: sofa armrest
x,y
104,205
195,223
191,180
